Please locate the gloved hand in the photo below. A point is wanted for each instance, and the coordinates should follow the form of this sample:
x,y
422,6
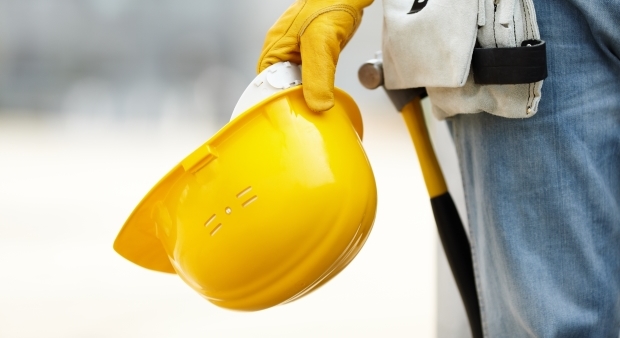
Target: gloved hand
x,y
312,33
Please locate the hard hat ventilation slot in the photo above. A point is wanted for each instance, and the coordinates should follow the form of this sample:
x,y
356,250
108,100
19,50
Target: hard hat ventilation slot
x,y
216,229
244,191
246,203
210,220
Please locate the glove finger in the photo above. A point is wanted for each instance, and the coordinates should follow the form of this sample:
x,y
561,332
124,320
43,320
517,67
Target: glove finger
x,y
280,52
320,47
280,45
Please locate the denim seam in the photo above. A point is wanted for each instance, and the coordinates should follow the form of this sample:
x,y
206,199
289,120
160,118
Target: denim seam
x,y
470,233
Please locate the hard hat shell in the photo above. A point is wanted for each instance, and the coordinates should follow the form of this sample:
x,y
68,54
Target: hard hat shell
x,y
275,204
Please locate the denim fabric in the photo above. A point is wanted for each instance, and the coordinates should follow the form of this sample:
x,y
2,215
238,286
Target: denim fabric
x,y
543,194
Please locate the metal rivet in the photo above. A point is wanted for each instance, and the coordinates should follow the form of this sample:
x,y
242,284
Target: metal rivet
x,y
228,210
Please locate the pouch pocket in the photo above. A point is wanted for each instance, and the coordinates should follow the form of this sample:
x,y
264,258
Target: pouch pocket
x,y
431,47
504,25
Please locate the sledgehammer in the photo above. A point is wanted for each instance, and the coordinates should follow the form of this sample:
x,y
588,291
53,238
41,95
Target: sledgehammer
x,y
449,226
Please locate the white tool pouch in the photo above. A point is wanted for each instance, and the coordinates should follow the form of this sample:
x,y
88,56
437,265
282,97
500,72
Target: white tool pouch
x,y
433,48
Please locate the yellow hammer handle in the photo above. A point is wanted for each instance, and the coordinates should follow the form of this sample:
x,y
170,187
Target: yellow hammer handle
x,y
433,177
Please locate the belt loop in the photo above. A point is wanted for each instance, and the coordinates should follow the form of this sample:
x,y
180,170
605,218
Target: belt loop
x,y
506,13
481,13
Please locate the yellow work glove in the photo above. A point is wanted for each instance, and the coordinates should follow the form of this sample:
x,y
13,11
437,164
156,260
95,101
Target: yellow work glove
x,y
312,33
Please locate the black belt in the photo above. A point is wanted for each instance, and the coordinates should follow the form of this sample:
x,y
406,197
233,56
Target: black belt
x,y
514,65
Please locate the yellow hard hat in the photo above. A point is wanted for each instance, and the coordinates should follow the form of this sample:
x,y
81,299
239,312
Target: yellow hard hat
x,y
275,204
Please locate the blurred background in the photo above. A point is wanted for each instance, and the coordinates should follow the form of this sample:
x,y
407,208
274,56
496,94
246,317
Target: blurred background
x,y
100,98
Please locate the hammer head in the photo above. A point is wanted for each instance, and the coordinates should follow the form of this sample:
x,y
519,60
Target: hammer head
x,y
370,75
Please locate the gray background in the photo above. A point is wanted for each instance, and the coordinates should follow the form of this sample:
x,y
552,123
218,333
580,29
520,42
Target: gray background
x,y
99,98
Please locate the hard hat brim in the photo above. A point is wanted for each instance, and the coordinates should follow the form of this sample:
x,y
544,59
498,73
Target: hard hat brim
x,y
137,241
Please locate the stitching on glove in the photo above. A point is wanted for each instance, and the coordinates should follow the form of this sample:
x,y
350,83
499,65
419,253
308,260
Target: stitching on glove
x,y
345,8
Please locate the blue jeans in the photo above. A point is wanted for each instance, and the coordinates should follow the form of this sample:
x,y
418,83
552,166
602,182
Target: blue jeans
x,y
543,194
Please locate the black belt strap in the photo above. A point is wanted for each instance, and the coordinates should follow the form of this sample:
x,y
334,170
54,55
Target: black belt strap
x,y
525,64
